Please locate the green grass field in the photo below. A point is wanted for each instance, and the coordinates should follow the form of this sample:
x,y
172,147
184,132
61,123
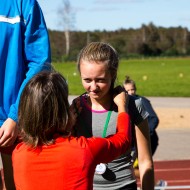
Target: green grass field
x,y
154,77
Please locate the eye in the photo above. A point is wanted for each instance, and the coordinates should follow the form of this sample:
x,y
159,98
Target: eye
x,y
101,80
87,80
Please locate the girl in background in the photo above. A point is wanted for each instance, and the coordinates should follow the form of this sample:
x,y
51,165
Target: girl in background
x,y
153,121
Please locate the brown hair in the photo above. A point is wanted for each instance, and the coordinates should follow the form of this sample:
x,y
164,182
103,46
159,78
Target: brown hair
x,y
100,52
130,81
44,109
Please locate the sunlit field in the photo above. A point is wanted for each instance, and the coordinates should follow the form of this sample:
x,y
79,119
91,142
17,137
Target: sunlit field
x,y
154,77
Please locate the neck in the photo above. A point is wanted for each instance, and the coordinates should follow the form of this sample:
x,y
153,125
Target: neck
x,y
101,104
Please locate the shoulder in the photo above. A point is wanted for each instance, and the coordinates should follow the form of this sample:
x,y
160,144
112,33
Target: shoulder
x,y
81,97
137,110
20,150
144,99
79,101
135,101
27,4
80,142
29,7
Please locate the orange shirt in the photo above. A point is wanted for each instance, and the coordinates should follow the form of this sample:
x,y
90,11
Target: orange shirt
x,y
70,162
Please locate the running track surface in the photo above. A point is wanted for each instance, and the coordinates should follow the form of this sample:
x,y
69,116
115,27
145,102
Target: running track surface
x,y
175,172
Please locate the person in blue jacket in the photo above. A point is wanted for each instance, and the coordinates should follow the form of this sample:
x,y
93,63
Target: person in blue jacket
x,y
153,119
24,51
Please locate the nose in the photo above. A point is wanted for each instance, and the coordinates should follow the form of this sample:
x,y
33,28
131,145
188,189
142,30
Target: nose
x,y
130,92
93,86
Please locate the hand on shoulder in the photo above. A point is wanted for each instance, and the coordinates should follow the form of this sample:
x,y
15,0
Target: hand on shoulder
x,y
120,98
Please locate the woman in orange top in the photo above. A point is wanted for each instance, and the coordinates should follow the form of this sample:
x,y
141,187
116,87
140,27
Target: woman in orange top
x,y
49,157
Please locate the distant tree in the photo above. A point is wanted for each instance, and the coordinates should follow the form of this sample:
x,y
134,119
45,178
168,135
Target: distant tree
x,y
185,41
148,40
66,15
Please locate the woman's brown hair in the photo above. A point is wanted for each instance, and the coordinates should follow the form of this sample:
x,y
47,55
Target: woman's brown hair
x,y
44,109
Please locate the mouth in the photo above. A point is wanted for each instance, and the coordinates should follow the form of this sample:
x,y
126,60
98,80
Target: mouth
x,y
94,92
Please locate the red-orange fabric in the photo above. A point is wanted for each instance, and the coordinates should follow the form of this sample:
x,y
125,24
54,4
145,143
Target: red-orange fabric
x,y
69,163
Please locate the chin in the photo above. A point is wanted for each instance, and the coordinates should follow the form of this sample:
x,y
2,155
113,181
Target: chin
x,y
95,96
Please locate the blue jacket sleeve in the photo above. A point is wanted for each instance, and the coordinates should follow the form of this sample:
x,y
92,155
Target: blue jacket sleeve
x,y
36,47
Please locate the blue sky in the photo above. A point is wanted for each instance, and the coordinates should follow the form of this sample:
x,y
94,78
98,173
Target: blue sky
x,y
115,14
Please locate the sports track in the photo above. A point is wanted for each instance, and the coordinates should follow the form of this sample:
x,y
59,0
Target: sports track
x,y
175,172
172,158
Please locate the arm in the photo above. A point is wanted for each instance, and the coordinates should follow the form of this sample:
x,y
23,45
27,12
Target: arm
x,y
144,156
139,118
36,53
107,149
36,48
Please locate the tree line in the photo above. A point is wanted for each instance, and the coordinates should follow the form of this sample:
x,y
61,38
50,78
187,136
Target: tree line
x,y
146,41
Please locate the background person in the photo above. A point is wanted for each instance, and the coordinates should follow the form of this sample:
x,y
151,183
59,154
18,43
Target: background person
x,y
49,157
98,64
153,121
24,51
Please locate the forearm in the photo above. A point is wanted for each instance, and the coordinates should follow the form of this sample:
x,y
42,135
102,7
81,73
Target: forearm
x,y
109,148
147,176
123,124
146,167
